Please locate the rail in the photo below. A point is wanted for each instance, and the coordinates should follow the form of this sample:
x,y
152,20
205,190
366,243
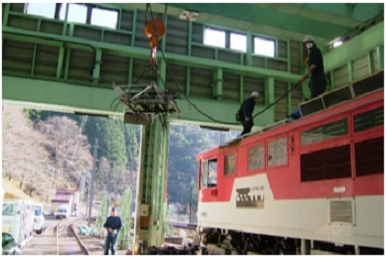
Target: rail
x,y
70,225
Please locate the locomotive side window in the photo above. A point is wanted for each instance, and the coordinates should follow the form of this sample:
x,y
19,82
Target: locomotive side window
x,y
256,158
204,173
209,173
368,120
229,164
324,132
212,173
277,152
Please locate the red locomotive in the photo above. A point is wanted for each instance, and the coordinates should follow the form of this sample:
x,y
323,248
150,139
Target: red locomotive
x,y
318,181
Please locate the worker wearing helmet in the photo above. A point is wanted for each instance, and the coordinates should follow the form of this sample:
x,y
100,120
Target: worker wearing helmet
x,y
245,113
314,71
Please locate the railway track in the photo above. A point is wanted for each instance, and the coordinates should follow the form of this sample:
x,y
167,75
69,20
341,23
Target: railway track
x,y
67,240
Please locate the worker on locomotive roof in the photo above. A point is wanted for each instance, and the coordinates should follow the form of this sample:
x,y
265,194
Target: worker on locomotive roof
x,y
245,113
113,224
314,71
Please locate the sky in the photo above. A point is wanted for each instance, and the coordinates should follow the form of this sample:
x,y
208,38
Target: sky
x,y
105,18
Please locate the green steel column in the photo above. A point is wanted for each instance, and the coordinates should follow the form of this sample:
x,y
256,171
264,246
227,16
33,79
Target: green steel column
x,y
332,79
350,71
6,14
162,67
288,55
270,97
119,19
189,37
188,83
66,75
380,53
249,50
33,60
305,90
97,67
64,31
134,27
153,202
370,63
289,99
241,90
130,75
140,183
60,62
218,84
164,172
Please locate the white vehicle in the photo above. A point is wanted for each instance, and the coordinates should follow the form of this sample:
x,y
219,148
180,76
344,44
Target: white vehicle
x,y
18,219
38,218
62,212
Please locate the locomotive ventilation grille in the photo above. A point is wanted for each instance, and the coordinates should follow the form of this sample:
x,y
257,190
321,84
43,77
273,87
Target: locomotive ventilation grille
x,y
331,163
341,211
369,156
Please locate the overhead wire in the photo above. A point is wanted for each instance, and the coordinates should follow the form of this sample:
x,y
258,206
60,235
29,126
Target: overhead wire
x,y
189,101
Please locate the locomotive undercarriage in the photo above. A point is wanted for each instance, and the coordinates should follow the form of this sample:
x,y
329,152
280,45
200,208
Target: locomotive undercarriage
x,y
229,242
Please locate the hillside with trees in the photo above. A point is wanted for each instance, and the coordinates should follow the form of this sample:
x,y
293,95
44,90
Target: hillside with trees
x,y
44,151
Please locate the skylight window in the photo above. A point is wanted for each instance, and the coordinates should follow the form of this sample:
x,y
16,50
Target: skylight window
x,y
46,10
238,42
77,13
104,18
264,47
214,38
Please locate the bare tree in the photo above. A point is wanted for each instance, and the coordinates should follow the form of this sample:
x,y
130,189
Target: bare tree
x,y
69,149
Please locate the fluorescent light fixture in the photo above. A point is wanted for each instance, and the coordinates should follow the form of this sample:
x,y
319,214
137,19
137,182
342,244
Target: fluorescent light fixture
x,y
337,43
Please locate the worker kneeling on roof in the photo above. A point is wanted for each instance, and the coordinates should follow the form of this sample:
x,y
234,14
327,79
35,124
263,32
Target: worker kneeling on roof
x,y
314,71
245,113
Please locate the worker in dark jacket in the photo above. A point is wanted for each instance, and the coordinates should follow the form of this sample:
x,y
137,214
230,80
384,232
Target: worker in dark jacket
x,y
246,112
315,71
113,224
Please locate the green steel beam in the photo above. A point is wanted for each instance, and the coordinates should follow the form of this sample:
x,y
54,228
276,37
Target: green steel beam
x,y
59,96
218,84
380,53
136,52
355,48
350,71
355,11
253,13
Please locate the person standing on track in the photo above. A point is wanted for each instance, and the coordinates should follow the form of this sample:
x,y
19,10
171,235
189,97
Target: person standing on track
x,y
113,224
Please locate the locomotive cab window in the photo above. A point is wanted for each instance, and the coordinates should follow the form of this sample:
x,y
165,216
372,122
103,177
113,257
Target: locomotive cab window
x,y
209,173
